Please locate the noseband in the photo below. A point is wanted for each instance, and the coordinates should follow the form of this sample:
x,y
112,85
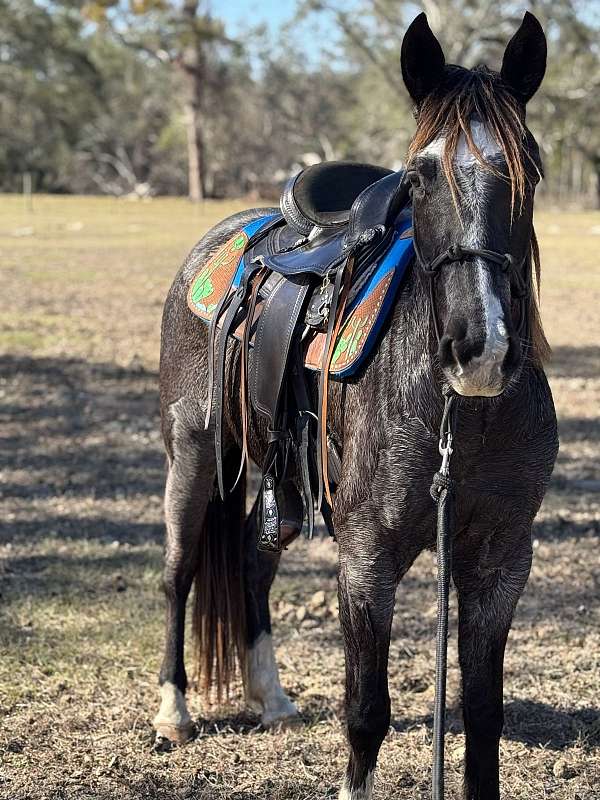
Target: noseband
x,y
456,252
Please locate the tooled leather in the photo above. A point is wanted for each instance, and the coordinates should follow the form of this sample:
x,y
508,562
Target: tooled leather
x,y
376,205
302,218
309,259
298,217
366,263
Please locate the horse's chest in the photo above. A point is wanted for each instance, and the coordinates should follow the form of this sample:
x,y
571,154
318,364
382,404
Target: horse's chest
x,y
496,465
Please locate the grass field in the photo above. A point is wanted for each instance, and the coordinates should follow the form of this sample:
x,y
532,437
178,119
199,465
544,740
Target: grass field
x,y
83,281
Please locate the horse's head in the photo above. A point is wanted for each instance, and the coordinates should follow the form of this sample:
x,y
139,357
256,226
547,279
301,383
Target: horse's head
x,y
473,166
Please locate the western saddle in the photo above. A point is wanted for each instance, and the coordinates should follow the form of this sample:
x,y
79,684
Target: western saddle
x,y
284,287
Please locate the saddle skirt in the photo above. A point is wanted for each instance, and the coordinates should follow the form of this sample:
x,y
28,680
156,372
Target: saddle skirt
x,y
369,305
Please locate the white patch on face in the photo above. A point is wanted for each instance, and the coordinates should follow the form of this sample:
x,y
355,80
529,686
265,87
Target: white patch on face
x,y
483,375
482,138
361,793
263,689
435,148
173,709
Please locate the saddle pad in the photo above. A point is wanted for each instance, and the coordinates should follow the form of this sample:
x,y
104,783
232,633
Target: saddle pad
x,y
363,318
213,280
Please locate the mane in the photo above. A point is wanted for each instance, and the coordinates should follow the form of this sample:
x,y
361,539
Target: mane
x,y
448,111
540,350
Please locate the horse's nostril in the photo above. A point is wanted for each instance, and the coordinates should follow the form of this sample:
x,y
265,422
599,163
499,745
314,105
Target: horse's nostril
x,y
446,352
451,342
456,349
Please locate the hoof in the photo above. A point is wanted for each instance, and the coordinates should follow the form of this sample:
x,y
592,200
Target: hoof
x,y
281,718
285,724
174,734
173,722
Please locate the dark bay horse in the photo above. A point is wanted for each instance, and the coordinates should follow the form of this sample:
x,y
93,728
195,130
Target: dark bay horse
x,y
473,166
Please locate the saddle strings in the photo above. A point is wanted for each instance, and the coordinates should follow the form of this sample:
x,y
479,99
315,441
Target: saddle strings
x,y
257,284
338,306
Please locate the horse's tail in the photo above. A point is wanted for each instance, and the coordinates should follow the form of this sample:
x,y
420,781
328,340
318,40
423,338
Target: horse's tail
x,y
219,619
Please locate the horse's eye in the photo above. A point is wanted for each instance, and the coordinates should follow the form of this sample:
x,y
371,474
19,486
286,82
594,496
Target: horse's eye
x,y
417,191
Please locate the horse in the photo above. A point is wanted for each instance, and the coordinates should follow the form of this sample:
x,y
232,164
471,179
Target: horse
x,y
459,319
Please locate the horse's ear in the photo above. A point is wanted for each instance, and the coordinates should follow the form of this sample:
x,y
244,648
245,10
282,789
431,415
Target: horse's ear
x,y
422,59
524,62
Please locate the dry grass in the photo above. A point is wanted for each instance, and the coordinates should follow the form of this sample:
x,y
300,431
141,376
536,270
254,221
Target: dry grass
x,y
80,540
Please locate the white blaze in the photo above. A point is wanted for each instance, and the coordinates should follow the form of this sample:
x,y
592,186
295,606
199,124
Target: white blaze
x,y
484,141
485,370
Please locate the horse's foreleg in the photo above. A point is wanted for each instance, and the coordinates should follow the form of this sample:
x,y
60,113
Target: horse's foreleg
x,y
264,693
489,588
189,483
366,588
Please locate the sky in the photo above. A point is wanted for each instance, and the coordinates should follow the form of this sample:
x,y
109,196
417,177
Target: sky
x,y
309,35
237,13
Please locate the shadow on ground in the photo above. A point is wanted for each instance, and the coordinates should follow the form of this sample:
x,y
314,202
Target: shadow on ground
x,y
574,362
79,439
534,724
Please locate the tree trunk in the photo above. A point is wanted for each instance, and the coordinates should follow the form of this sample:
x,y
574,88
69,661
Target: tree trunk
x,y
194,152
192,68
597,170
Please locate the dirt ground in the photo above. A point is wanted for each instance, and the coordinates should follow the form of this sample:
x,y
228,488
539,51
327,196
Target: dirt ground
x,y
81,477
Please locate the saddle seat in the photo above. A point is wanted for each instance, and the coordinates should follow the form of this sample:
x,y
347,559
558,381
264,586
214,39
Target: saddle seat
x,y
323,228
309,287
322,195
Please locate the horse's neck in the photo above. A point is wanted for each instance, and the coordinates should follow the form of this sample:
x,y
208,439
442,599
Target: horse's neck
x,y
412,340
414,382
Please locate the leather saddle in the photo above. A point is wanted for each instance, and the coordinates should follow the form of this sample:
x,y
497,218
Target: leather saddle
x,y
329,209
291,278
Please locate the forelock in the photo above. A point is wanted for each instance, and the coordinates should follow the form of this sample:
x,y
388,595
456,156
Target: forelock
x,y
473,116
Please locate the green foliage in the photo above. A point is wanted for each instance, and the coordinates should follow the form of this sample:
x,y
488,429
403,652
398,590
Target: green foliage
x,y
129,142
565,114
47,86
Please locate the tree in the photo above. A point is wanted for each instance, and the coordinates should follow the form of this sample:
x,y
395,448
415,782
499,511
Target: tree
x,y
48,84
133,143
183,36
565,113
125,96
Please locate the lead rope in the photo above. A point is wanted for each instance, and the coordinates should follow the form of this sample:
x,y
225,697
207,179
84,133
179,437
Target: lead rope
x,y
442,492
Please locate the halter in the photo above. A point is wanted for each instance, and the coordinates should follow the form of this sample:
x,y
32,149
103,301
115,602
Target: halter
x,y
457,252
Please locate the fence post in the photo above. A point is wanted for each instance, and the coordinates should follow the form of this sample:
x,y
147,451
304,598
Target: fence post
x,y
28,190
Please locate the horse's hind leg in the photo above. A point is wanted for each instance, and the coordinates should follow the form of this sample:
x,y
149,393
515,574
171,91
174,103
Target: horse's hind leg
x,y
189,484
489,584
264,693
